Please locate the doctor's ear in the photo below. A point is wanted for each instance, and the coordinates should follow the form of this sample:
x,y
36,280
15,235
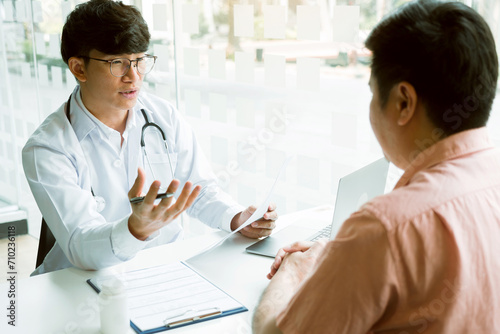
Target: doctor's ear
x,y
77,67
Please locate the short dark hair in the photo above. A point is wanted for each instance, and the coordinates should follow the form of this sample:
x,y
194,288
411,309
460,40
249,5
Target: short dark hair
x,y
107,26
447,52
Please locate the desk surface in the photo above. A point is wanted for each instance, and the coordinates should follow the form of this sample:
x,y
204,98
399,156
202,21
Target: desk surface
x,y
62,302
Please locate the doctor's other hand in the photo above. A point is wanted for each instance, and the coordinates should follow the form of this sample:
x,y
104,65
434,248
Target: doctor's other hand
x,y
298,246
259,228
148,217
298,258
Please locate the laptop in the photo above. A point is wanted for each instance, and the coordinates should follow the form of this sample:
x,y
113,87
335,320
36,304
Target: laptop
x,y
353,191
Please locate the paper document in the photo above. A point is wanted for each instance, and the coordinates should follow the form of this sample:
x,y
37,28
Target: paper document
x,y
172,295
259,213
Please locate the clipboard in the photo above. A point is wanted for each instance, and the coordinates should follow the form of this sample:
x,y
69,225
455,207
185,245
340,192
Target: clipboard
x,y
171,296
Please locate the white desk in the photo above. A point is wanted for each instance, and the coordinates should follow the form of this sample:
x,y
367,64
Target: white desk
x,y
62,302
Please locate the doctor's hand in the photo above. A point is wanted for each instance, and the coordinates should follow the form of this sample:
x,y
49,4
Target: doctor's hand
x,y
148,217
259,228
298,246
299,258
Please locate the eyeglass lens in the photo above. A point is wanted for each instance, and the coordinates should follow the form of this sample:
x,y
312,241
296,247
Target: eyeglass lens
x,y
119,67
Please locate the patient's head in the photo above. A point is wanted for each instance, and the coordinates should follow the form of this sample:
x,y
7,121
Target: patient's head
x,y
446,51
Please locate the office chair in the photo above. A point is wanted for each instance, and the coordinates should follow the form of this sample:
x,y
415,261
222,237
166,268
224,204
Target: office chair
x,y
46,243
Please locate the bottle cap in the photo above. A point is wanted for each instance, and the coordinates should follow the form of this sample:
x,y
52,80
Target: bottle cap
x,y
113,286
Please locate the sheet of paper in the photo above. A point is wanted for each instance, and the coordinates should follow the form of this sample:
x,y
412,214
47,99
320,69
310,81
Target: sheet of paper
x,y
256,215
245,112
70,79
37,11
8,10
192,61
217,64
247,193
192,102
26,72
43,74
244,66
344,130
160,17
274,21
308,22
190,18
274,66
218,107
57,79
345,24
161,51
40,44
220,150
277,117
308,74
21,15
274,159
243,21
54,47
65,9
309,170
168,293
163,90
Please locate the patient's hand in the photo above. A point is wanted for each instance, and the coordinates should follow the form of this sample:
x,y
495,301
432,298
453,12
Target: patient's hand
x,y
298,246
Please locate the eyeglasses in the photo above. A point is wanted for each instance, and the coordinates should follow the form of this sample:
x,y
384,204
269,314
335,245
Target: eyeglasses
x,y
120,66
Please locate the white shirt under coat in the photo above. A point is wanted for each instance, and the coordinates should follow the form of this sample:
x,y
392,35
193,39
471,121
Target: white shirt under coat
x,y
63,161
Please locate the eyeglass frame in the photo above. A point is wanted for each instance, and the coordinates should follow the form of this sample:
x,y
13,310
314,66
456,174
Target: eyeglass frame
x,y
110,61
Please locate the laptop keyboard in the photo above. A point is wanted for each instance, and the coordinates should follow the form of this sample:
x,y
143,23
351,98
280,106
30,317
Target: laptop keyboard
x,y
324,233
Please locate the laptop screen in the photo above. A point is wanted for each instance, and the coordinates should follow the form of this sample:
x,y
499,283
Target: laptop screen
x,y
356,189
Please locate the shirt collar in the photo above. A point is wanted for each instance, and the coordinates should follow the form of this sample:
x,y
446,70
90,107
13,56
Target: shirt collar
x,y
81,123
131,123
454,146
84,122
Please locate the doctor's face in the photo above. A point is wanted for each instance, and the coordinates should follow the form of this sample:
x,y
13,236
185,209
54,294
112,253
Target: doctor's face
x,y
104,93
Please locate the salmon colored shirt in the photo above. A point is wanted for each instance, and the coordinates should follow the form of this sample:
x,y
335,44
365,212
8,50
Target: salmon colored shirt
x,y
424,258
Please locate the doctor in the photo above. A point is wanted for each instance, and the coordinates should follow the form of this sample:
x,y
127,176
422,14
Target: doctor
x,y
89,158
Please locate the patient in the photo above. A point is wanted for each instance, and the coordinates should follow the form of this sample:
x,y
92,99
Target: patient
x,y
425,257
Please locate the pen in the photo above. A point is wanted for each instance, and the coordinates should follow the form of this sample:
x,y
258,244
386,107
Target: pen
x,y
216,311
141,198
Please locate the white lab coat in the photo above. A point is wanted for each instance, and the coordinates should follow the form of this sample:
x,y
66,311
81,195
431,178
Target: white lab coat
x,y
63,161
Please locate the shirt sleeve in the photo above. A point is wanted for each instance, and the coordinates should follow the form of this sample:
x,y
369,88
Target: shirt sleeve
x,y
68,207
353,283
125,245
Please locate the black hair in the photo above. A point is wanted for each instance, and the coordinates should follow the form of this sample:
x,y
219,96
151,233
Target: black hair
x,y
447,52
110,27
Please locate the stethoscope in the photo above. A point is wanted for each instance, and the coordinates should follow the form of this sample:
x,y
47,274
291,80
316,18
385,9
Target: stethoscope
x,y
153,126
100,201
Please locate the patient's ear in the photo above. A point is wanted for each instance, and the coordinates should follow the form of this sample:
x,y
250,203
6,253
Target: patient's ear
x,y
77,67
406,102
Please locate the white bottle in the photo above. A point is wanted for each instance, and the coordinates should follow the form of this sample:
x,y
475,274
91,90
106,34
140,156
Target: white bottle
x,y
113,306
